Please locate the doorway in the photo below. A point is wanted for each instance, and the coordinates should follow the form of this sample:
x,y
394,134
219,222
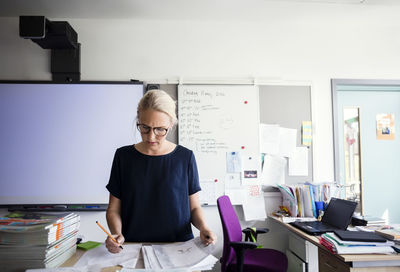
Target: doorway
x,y
367,149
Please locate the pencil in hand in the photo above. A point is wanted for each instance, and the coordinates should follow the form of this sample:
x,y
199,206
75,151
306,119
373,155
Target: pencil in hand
x,y
109,235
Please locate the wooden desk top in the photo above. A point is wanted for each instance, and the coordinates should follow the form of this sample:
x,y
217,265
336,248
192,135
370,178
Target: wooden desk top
x,y
342,257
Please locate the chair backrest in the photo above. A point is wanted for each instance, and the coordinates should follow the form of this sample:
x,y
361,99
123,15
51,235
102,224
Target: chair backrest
x,y
231,229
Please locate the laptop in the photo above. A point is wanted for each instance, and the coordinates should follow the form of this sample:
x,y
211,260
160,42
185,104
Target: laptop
x,y
337,216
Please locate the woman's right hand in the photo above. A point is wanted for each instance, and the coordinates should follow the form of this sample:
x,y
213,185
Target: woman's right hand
x,y
112,246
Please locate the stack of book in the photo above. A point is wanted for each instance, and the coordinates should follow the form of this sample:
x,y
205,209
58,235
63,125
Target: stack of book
x,y
37,240
392,233
338,246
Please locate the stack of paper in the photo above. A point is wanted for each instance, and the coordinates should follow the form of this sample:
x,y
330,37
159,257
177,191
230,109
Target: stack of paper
x,y
37,240
150,270
193,255
101,257
336,245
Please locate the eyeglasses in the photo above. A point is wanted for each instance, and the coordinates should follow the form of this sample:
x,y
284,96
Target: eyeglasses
x,y
158,131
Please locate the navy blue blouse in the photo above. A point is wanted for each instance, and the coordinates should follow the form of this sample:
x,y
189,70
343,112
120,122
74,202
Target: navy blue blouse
x,y
154,193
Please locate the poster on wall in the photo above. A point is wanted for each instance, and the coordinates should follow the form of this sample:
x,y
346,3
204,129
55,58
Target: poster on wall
x,y
385,126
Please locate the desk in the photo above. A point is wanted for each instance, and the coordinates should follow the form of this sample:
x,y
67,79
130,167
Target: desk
x,y
329,262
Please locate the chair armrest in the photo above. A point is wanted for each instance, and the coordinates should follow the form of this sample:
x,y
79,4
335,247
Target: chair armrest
x,y
239,248
262,230
248,231
243,245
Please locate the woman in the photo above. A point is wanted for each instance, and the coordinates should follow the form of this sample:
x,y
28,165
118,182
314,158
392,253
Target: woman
x,y
154,184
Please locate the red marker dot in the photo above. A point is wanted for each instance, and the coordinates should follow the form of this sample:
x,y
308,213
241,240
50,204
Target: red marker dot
x,y
245,102
215,180
242,147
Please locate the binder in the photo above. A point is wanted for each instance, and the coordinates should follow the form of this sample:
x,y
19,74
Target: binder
x,y
359,236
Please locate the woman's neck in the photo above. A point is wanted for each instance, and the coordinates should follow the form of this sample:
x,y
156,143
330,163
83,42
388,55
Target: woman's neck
x,y
166,148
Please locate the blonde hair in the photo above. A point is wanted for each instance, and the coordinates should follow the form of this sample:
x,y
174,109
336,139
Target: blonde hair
x,y
158,100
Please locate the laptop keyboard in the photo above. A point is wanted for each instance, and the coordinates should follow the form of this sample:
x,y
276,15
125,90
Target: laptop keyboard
x,y
317,225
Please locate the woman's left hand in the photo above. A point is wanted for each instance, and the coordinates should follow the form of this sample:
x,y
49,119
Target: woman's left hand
x,y
208,237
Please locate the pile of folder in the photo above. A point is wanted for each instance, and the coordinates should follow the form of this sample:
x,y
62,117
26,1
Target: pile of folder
x,y
337,245
37,240
301,199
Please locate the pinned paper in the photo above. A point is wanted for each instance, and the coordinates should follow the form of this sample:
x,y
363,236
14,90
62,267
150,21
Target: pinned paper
x,y
207,193
250,173
232,180
251,169
233,162
306,133
287,143
254,207
237,195
385,126
269,139
298,163
273,170
250,165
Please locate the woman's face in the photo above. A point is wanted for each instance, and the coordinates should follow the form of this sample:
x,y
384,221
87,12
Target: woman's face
x,y
155,122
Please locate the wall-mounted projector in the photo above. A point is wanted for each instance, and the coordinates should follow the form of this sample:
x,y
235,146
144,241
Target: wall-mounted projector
x,y
61,38
48,34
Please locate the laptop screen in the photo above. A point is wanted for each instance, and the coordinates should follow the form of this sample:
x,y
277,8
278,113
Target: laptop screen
x,y
339,213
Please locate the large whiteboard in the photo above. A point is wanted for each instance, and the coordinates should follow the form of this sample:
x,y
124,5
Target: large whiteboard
x,y
214,120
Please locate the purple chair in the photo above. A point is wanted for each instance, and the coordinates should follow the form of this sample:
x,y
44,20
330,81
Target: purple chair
x,y
244,256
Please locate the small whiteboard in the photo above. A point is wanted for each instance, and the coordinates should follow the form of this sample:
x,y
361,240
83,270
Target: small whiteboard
x,y
214,120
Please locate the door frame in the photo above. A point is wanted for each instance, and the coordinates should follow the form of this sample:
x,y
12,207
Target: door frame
x,y
359,85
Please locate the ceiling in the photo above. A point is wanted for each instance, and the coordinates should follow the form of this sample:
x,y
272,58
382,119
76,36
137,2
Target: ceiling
x,y
157,9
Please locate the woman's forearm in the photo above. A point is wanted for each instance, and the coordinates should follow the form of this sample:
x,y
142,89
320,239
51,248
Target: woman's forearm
x,y
198,220
114,222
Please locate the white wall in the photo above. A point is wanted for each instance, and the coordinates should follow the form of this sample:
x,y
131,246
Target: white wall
x,y
313,42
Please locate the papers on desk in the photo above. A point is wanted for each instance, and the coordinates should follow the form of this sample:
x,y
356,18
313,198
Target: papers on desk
x,y
100,256
154,270
191,254
336,245
67,269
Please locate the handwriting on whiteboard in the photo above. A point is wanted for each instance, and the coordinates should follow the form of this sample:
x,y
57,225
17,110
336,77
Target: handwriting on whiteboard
x,y
195,125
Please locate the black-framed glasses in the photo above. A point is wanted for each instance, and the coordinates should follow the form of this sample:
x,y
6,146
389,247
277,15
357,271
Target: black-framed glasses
x,y
158,131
